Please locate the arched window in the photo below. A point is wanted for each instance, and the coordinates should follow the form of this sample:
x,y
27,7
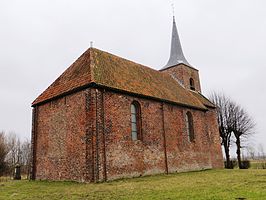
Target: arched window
x,y
190,127
192,84
135,121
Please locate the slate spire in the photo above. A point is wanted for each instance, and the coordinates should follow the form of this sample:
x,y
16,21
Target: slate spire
x,y
176,53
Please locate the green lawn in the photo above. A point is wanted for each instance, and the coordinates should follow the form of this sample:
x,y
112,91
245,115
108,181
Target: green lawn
x,y
258,164
211,184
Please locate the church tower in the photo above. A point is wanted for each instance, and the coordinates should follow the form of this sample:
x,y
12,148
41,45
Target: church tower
x,y
178,66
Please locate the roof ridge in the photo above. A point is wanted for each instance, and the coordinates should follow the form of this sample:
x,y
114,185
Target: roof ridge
x,y
133,62
145,66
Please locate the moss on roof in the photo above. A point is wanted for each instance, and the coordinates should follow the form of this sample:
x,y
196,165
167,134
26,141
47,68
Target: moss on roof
x,y
77,75
105,69
203,99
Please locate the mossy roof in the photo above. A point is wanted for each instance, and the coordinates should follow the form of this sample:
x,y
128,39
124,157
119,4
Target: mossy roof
x,y
104,69
204,100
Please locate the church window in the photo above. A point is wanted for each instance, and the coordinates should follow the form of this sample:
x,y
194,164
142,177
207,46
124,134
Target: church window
x,y
135,121
192,84
190,127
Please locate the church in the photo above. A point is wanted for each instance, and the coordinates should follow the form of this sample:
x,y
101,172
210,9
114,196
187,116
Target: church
x,y
107,118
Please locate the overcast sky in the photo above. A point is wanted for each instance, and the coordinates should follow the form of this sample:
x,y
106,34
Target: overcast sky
x,y
39,39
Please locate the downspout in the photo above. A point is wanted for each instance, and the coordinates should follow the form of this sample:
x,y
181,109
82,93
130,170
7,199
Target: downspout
x,y
164,140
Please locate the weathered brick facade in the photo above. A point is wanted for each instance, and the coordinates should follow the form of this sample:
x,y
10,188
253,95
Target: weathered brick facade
x,y
60,139
86,136
183,73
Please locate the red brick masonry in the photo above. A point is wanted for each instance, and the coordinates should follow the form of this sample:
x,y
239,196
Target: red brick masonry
x,y
86,136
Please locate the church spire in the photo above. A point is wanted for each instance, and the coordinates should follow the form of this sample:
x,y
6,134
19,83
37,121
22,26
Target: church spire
x,y
176,54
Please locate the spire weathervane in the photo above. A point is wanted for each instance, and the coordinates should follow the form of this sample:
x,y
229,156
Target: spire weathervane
x,y
173,9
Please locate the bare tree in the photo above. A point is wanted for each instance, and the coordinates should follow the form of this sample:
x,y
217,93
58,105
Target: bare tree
x,y
261,153
3,152
12,152
251,152
13,149
232,119
14,155
224,108
25,157
243,128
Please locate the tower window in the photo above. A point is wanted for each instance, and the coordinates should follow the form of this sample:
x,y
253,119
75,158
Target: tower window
x,y
135,121
190,127
192,84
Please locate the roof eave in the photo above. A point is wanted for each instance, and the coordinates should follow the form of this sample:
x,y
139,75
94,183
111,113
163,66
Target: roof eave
x,y
211,105
150,97
95,85
37,103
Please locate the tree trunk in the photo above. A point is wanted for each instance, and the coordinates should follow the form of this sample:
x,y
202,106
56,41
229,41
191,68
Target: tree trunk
x,y
227,156
238,152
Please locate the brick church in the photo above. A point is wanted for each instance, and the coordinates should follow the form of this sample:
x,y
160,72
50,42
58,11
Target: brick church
x,y
107,117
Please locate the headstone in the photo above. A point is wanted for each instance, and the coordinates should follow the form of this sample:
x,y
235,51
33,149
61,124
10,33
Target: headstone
x,y
17,175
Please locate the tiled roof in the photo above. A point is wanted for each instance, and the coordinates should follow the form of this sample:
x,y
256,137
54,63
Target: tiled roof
x,y
105,69
77,75
203,99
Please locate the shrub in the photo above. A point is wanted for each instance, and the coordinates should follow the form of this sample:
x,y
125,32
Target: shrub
x,y
245,164
233,164
263,165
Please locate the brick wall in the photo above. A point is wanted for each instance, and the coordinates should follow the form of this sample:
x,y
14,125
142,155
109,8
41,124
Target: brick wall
x,y
183,73
214,137
60,139
127,158
184,155
86,136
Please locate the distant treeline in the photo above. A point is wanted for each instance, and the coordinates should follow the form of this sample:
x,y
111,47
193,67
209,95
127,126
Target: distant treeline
x,y
14,152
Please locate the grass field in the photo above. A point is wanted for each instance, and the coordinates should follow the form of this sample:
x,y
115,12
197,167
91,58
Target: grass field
x,y
258,164
210,184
